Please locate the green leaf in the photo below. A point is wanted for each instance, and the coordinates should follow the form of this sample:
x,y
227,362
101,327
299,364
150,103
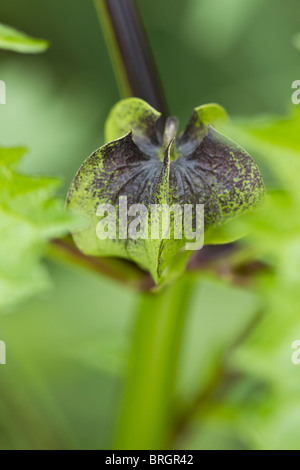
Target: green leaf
x,y
200,166
30,216
13,40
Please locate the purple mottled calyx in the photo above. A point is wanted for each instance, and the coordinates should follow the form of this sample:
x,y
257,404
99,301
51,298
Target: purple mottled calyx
x,y
196,166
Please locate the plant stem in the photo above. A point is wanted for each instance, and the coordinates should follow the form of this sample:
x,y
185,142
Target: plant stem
x,y
120,270
147,418
130,52
147,413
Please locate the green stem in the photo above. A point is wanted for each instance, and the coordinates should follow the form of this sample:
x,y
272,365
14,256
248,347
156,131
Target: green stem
x,y
118,269
147,418
147,413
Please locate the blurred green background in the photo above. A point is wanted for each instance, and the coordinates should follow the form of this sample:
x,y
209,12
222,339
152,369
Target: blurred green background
x,y
67,349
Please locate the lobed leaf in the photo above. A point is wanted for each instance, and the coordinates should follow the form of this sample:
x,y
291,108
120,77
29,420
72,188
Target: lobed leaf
x,y
30,216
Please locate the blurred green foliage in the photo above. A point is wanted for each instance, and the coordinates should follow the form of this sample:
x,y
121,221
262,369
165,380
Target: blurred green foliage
x,y
67,349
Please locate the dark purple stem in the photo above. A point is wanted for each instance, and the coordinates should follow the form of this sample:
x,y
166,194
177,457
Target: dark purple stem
x,y
135,52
